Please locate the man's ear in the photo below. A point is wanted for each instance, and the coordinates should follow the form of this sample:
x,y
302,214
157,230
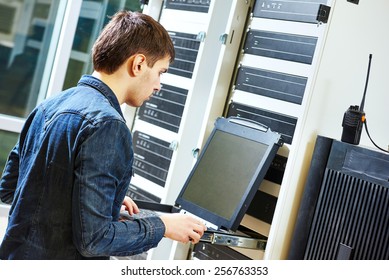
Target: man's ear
x,y
135,64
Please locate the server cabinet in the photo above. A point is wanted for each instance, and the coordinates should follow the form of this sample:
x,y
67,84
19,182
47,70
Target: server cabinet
x,y
272,85
254,59
171,127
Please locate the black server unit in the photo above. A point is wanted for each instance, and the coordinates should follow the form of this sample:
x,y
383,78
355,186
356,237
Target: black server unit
x,y
165,108
344,212
206,251
148,151
292,10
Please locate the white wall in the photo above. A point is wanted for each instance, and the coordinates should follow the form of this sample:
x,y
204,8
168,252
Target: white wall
x,y
355,31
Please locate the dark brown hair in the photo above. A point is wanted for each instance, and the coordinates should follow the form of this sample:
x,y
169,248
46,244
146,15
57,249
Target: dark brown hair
x,y
130,33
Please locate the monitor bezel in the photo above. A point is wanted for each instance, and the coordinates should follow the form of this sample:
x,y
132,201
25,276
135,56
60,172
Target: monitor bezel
x,y
245,129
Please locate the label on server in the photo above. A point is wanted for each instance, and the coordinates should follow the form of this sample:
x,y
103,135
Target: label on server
x,y
285,125
290,47
272,84
292,10
152,157
186,47
165,108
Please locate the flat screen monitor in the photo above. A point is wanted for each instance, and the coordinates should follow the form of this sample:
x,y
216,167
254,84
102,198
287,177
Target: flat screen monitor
x,y
228,172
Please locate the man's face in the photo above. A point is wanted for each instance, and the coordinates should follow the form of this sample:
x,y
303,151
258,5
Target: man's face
x,y
149,81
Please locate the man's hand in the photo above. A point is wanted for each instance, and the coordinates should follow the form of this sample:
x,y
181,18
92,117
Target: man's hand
x,y
183,228
129,206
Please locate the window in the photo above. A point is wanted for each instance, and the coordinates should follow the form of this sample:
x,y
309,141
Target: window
x,y
24,41
25,35
93,16
45,47
8,140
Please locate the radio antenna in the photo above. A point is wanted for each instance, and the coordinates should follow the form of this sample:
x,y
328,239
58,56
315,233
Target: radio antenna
x,y
367,81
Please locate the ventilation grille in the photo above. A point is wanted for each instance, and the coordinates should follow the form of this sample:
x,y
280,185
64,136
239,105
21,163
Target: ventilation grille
x,y
350,213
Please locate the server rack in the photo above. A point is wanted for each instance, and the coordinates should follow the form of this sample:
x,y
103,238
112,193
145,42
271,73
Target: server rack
x,y
254,59
272,85
171,127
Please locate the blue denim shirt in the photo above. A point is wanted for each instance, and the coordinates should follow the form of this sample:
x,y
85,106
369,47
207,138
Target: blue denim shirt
x,y
67,177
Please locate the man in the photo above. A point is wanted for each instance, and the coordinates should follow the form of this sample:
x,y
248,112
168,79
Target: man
x,y
69,172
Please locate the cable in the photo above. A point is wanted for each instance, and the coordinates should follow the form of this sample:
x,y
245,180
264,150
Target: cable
x,y
368,134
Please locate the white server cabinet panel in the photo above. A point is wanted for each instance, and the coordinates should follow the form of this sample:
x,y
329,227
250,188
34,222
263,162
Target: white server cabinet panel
x,y
274,82
207,43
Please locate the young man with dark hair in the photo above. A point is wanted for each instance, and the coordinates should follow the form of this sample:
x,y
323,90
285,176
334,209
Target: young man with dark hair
x,y
68,175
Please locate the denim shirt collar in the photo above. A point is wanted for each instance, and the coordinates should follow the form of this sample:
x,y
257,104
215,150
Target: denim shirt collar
x,y
100,86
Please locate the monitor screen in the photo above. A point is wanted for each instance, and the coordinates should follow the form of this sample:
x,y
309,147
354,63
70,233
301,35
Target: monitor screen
x,y
220,187
228,172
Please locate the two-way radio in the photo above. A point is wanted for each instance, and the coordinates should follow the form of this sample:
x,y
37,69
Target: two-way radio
x,y
354,117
